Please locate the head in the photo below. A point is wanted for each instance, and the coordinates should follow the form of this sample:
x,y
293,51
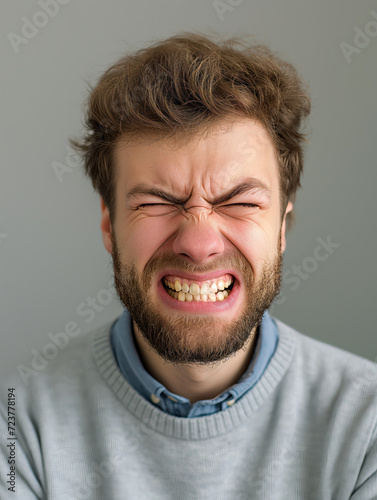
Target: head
x,y
196,150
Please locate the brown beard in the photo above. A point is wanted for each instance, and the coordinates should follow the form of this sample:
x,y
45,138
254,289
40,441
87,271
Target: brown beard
x,y
196,339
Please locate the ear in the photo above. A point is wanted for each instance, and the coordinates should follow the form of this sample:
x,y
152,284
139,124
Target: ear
x,y
283,240
106,228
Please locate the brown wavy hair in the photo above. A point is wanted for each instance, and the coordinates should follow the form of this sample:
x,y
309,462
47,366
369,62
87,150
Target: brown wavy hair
x,y
183,85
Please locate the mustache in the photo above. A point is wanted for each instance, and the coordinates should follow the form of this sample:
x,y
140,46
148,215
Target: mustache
x,y
230,261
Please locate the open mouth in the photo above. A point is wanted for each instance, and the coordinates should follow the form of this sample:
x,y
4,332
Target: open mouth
x,y
214,291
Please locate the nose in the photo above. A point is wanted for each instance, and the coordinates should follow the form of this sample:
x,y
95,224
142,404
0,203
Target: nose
x,y
198,237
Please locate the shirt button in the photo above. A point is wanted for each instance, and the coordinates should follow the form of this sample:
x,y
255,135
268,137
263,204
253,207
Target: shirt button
x,y
172,399
155,399
231,402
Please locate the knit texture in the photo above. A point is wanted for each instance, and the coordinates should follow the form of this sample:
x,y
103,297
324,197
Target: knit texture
x,y
305,431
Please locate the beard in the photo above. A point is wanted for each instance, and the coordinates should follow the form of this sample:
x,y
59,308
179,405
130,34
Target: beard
x,y
192,338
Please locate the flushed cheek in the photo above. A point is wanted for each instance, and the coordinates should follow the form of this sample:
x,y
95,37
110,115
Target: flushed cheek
x,y
250,240
143,239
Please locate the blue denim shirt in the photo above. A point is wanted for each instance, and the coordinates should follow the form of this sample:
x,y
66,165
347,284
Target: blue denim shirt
x,y
130,365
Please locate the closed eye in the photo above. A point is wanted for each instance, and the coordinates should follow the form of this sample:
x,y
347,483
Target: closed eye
x,y
153,204
246,204
169,204
241,205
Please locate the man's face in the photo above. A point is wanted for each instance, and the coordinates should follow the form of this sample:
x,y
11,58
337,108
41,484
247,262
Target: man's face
x,y
194,233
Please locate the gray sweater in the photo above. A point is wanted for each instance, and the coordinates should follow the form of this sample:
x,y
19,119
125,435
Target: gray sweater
x,y
306,431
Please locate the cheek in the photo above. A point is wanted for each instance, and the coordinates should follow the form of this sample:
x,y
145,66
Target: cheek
x,y
252,241
140,241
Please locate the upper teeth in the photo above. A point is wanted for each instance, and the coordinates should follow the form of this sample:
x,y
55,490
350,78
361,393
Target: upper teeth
x,y
194,288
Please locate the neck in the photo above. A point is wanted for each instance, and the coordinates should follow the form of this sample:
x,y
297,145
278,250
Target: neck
x,y
196,382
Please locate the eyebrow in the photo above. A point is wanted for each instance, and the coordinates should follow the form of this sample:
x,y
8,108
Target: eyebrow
x,y
245,186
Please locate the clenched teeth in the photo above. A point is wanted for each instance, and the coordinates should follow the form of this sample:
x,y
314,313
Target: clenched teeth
x,y
214,290
206,287
188,297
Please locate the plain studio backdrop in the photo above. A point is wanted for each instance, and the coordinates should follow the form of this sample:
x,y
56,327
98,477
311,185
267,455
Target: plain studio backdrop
x,y
55,272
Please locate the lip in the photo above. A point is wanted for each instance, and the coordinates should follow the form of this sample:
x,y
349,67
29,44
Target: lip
x,y
204,308
199,277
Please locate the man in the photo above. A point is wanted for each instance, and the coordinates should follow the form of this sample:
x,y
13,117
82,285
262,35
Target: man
x,y
196,391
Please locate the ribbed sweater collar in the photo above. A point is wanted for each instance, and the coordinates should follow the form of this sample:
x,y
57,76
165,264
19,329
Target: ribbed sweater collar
x,y
201,427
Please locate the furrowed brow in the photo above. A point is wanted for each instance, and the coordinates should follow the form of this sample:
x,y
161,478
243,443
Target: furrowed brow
x,y
245,186
144,189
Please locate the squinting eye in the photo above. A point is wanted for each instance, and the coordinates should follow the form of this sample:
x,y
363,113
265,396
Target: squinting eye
x,y
156,209
155,204
250,205
149,204
242,205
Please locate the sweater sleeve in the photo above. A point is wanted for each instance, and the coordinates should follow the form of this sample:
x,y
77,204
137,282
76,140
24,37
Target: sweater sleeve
x,y
366,484
24,450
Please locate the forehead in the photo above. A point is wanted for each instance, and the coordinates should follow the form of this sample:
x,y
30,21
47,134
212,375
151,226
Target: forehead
x,y
228,151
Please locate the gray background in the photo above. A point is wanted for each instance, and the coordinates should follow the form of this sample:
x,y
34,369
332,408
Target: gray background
x,y
51,252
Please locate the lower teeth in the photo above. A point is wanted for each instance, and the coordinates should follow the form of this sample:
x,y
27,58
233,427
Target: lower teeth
x,y
188,297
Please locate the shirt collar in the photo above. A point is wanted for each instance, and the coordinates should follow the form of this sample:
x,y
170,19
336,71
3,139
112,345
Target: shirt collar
x,y
130,365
